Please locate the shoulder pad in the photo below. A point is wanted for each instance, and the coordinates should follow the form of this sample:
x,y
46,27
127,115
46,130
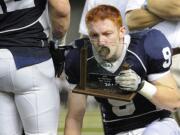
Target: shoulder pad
x,y
158,51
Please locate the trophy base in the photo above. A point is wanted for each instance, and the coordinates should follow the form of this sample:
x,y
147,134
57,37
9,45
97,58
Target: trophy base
x,y
112,94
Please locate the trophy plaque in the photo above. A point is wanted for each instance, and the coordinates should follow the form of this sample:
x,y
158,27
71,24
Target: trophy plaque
x,y
99,85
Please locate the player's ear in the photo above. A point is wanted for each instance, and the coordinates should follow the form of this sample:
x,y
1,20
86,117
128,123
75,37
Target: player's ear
x,y
122,31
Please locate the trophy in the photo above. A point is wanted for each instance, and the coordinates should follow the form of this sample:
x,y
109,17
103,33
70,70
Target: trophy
x,y
99,85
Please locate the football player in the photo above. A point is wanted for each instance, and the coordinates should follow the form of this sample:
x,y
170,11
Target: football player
x,y
29,98
148,54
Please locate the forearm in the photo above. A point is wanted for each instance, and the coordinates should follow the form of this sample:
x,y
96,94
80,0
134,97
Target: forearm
x,y
73,127
167,98
140,19
75,115
60,17
167,9
162,92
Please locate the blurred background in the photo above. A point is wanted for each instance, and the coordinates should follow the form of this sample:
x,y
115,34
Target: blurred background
x,y
76,11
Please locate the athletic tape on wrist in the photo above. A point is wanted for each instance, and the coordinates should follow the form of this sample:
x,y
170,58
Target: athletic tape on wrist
x,y
59,42
148,90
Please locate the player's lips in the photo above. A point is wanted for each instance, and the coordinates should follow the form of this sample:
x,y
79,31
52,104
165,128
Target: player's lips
x,y
103,51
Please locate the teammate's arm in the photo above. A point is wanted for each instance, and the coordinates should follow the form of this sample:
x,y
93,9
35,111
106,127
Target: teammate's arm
x,y
76,111
60,17
156,11
140,19
167,9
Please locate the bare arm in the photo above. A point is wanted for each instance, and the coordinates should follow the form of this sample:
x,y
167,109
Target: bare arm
x,y
167,9
140,19
60,17
167,95
76,111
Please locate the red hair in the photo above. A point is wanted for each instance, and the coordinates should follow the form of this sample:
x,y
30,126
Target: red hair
x,y
103,12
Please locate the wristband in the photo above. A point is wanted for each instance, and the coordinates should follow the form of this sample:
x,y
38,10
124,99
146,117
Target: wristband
x,y
59,42
148,90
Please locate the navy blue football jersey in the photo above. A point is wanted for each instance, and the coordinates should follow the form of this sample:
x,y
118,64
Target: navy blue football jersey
x,y
148,53
23,22
24,30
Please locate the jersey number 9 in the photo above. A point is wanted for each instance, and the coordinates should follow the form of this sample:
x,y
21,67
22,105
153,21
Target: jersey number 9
x,y
167,56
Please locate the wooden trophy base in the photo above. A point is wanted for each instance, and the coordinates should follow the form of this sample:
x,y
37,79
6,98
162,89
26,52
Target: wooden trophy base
x,y
105,93
100,90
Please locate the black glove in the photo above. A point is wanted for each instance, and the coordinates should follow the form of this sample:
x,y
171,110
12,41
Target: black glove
x,y
129,80
58,58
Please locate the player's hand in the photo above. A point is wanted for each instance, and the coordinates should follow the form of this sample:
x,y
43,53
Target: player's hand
x,y
128,80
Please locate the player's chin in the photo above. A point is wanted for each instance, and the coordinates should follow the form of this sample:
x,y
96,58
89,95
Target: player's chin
x,y
105,57
110,58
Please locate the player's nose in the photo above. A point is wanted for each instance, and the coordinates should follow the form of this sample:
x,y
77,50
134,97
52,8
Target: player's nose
x,y
102,41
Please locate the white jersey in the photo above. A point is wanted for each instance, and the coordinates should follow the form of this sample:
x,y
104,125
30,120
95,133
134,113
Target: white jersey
x,y
170,29
119,4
